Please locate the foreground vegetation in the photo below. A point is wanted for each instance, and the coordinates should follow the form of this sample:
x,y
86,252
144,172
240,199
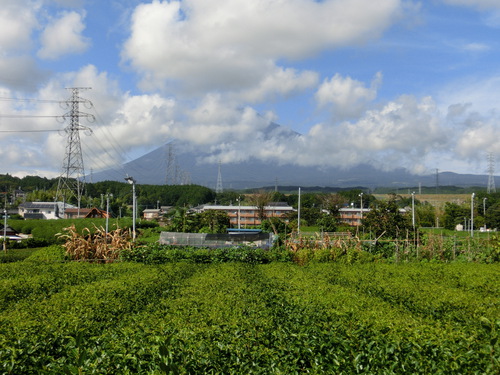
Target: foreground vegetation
x,y
244,317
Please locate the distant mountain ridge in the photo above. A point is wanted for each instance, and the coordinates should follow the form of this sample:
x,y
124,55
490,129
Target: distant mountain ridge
x,y
173,164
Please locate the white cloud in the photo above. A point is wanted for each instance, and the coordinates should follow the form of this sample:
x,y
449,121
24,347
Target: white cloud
x,y
480,93
17,21
403,133
20,72
476,47
64,36
479,138
237,44
281,83
346,97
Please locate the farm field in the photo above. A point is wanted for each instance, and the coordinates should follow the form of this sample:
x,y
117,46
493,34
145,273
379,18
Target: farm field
x,y
240,318
437,200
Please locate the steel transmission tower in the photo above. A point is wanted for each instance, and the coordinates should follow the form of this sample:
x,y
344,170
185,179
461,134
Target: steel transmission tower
x,y
491,172
72,179
171,172
219,188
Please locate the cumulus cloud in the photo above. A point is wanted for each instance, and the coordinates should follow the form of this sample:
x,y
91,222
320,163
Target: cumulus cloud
x,y
401,133
17,20
237,45
346,97
64,36
205,70
21,72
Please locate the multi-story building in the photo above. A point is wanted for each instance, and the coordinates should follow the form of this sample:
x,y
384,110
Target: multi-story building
x,y
248,216
352,216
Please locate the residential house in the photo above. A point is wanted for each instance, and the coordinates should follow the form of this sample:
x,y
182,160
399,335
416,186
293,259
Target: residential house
x,y
42,210
85,213
10,233
152,213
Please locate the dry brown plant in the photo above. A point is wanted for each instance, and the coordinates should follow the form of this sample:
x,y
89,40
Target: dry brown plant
x,y
98,246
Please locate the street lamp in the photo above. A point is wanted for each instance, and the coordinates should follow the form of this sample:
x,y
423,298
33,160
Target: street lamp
x,y
484,211
131,181
5,229
107,211
472,215
239,212
361,196
413,209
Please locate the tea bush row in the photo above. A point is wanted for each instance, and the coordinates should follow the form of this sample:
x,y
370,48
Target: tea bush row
x,y
235,317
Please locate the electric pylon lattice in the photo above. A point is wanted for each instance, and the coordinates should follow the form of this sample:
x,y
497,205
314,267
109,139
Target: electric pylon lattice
x,y
72,179
219,188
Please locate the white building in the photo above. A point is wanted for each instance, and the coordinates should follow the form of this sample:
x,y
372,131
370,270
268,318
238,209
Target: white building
x,y
43,210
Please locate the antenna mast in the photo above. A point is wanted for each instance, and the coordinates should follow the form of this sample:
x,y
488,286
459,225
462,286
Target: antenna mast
x,y
72,178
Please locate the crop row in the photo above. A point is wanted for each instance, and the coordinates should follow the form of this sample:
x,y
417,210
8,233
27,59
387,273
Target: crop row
x,y
276,318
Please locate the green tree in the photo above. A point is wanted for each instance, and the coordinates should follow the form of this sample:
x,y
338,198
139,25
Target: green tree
x,y
182,220
386,220
213,221
493,216
425,214
260,200
454,214
327,222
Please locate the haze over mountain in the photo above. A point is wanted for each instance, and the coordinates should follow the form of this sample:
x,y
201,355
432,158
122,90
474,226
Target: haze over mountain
x,y
180,163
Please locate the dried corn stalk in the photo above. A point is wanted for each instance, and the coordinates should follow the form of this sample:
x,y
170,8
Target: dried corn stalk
x,y
98,246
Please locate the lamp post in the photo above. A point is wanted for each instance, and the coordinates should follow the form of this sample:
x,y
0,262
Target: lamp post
x,y
5,230
131,181
413,209
107,211
472,215
484,211
361,197
239,212
298,215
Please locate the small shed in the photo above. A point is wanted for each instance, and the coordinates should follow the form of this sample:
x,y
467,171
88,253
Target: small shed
x,y
151,213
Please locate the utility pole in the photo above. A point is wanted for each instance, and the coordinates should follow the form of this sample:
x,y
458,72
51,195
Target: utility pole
x,y
472,214
298,215
413,209
361,205
72,179
491,173
5,225
131,181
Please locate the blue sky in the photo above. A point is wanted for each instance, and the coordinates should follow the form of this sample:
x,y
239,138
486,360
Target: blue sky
x,y
392,83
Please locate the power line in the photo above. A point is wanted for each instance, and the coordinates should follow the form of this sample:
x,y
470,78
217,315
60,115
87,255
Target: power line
x,y
30,131
30,116
31,100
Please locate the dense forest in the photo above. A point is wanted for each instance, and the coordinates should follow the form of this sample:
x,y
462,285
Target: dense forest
x,y
148,196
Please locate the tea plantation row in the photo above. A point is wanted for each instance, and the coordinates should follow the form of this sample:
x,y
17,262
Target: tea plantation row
x,y
242,318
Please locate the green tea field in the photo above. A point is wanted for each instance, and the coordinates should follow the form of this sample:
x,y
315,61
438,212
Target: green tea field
x,y
238,318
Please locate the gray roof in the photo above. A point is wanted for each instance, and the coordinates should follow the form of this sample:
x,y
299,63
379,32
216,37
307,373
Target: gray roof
x,y
38,205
